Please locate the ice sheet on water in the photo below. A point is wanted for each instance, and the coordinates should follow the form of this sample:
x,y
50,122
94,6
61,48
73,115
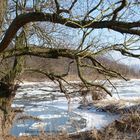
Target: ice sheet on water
x,y
95,119
126,89
24,134
36,104
17,105
22,125
62,103
50,116
35,109
52,119
38,125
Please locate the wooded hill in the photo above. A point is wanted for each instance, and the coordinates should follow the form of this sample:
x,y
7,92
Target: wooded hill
x,y
61,66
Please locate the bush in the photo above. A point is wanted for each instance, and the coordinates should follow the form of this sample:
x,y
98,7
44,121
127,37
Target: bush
x,y
97,93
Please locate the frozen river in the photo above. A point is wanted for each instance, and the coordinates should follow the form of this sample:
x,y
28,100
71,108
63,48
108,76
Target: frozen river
x,y
44,101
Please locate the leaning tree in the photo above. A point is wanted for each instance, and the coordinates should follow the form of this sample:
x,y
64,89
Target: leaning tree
x,y
54,22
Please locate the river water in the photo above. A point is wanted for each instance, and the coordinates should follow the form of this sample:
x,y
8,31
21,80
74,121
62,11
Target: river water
x,y
44,101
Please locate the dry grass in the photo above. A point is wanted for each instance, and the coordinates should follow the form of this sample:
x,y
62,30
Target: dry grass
x,y
42,136
117,106
127,128
27,117
97,93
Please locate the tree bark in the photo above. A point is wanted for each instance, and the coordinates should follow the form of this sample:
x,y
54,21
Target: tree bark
x,y
7,115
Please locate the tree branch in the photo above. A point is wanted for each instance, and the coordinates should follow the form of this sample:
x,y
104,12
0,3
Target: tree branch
x,y
58,9
93,9
19,21
117,10
67,53
72,5
127,53
87,82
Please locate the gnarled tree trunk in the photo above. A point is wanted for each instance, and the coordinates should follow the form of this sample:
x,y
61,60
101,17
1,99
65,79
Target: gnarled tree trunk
x,y
6,115
8,89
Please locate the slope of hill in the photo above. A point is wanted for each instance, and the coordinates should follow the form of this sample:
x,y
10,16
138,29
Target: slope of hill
x,y
60,66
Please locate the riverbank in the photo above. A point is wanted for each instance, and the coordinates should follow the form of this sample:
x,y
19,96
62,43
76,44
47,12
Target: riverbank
x,y
126,128
126,105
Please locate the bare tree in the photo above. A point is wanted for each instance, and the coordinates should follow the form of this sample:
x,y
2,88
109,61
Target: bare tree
x,y
83,16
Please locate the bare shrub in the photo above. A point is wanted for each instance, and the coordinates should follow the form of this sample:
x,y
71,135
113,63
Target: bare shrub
x,y
97,93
